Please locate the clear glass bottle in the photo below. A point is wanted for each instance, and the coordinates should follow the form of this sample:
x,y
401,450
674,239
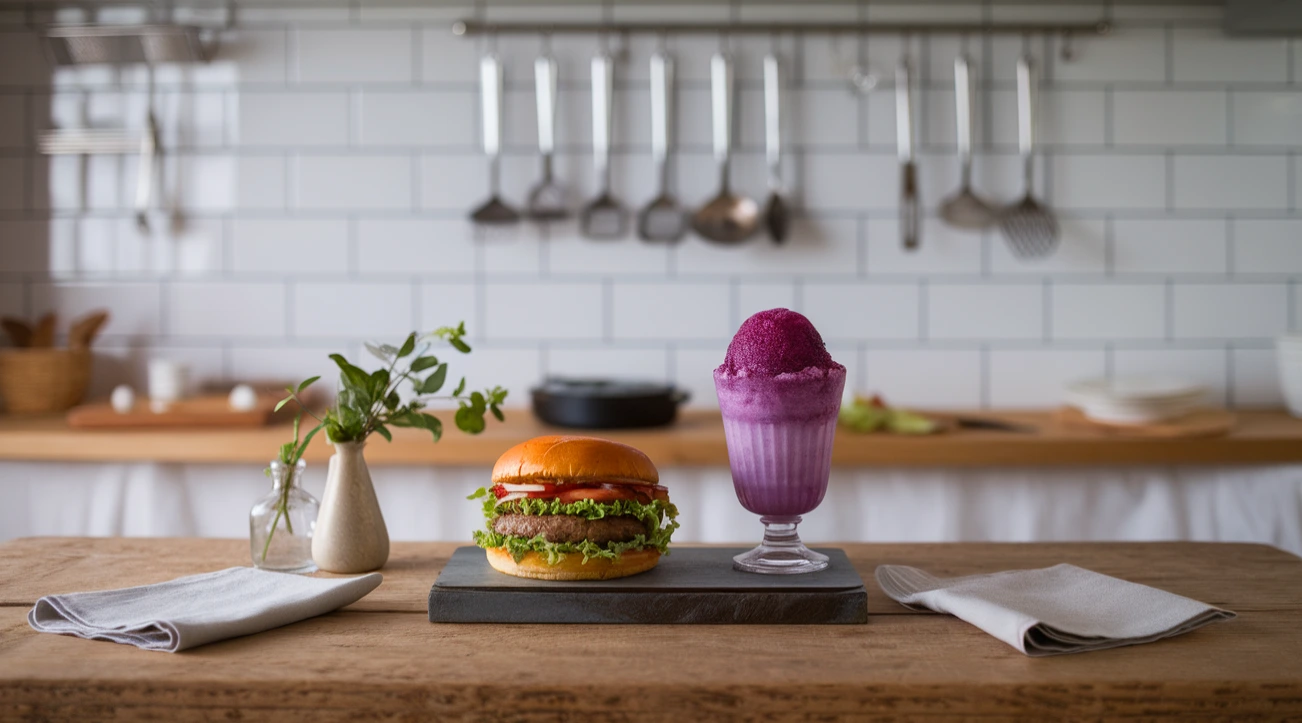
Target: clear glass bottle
x,y
281,524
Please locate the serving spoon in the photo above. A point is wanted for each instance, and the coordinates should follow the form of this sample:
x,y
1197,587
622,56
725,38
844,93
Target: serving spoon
x,y
965,209
662,219
777,214
728,218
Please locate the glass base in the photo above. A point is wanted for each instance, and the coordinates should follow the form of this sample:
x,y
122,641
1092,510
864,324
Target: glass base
x,y
303,569
781,552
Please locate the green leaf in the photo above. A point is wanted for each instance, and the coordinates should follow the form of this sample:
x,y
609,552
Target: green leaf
x,y
434,382
391,401
469,420
384,432
461,387
423,363
379,382
434,425
298,454
282,403
459,345
352,376
407,346
498,413
478,402
305,384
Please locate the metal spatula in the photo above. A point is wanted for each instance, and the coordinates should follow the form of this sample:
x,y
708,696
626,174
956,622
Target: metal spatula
x,y
494,211
547,199
662,219
603,218
1030,228
904,147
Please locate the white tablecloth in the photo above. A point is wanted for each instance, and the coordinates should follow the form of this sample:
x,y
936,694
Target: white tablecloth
x,y
1241,504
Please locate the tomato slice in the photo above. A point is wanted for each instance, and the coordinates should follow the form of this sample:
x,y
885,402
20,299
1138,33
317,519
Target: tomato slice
x,y
597,494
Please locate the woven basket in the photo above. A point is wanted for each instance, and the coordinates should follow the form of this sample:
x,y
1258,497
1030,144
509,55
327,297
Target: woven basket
x,y
43,380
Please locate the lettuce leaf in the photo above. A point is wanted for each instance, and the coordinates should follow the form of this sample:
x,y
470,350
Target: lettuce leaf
x,y
659,518
557,551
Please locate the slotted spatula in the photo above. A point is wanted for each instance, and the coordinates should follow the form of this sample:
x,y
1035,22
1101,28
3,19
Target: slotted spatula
x,y
1029,227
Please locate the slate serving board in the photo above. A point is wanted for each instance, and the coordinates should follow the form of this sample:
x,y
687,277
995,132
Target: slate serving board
x,y
692,585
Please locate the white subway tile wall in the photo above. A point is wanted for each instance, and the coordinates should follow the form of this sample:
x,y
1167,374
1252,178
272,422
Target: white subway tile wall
x,y
317,176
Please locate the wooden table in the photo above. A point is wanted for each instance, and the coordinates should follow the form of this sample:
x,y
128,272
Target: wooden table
x,y
381,659
1261,437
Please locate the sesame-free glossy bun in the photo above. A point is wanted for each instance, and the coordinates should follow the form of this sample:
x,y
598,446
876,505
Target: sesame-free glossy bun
x,y
534,565
567,459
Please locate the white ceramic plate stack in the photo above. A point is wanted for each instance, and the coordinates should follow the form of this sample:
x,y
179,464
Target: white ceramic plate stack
x,y
1136,400
1289,347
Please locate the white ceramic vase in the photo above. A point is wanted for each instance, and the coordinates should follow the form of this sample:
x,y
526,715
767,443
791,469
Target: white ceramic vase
x,y
350,535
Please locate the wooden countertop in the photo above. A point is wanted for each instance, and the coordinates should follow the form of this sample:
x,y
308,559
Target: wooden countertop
x,y
1261,437
381,658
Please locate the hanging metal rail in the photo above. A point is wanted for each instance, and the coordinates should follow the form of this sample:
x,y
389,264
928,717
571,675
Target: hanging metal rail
x,y
474,27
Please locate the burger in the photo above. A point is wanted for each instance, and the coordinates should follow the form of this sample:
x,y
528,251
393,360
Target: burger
x,y
575,508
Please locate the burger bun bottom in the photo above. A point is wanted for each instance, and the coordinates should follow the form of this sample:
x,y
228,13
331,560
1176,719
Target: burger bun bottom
x,y
534,565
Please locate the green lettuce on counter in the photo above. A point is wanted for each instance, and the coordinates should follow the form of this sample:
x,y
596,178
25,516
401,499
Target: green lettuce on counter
x,y
659,517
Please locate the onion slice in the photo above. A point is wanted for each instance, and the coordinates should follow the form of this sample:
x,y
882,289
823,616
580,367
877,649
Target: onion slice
x,y
523,488
512,496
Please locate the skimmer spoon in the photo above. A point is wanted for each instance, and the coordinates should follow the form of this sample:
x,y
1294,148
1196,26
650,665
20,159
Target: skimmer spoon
x,y
493,211
965,209
603,218
662,219
728,218
1030,228
547,199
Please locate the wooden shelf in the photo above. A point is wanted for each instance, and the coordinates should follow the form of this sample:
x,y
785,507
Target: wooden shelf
x,y
1261,437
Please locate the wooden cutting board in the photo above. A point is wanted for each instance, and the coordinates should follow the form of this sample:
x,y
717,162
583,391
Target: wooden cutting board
x,y
201,411
1199,423
691,585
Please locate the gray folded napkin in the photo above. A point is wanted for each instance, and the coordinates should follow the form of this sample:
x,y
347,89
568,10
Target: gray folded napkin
x,y
1053,611
196,610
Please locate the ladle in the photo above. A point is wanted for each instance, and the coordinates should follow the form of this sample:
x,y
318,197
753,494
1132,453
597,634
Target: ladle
x,y
728,218
965,209
494,211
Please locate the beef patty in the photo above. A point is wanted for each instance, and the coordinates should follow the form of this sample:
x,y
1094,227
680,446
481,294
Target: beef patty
x,y
567,528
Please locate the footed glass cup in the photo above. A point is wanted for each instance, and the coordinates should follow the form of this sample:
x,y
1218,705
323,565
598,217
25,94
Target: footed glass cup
x,y
779,435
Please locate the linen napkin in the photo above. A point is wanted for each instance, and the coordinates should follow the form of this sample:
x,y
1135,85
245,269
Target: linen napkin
x,y
196,610
1054,610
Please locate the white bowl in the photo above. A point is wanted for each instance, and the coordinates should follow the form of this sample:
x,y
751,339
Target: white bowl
x,y
1135,400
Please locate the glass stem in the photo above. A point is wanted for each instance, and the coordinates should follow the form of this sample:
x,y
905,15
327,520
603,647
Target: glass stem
x,y
780,532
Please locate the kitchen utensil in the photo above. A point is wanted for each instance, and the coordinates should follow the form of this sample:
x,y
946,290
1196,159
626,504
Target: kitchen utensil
x,y
547,199
603,218
694,585
965,209
43,331
1030,228
777,215
662,219
904,147
20,332
83,330
1200,422
993,425
145,173
493,211
727,218
606,403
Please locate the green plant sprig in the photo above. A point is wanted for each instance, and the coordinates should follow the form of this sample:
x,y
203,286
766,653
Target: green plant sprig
x,y
368,402
289,455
